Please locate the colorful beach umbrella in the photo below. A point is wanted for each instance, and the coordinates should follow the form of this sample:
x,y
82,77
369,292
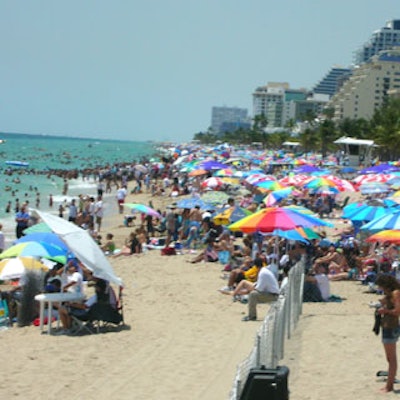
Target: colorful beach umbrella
x,y
268,219
365,212
212,183
36,249
278,195
142,208
14,268
389,235
43,237
230,215
390,221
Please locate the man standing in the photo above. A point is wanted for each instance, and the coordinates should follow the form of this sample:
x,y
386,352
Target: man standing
x,y
266,290
22,219
99,212
121,194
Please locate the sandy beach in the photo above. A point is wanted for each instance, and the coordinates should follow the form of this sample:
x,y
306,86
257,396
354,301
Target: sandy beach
x,y
184,340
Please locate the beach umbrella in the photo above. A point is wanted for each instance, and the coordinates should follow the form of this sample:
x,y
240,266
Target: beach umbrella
x,y
374,188
198,172
372,178
82,244
268,219
300,209
212,165
277,195
379,169
365,212
43,237
291,234
215,198
142,208
389,221
230,215
225,172
212,183
14,268
193,202
36,249
320,182
295,180
40,227
389,235
308,233
269,185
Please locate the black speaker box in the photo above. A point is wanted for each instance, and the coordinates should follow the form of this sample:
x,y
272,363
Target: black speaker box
x,y
266,384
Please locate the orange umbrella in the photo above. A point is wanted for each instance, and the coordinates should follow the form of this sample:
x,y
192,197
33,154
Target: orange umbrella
x,y
388,235
197,172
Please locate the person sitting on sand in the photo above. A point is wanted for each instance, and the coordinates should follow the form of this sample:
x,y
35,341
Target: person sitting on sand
x,y
109,246
209,254
248,271
317,286
132,246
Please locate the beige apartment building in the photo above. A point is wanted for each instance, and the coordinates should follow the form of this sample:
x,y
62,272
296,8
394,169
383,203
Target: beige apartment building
x,y
368,87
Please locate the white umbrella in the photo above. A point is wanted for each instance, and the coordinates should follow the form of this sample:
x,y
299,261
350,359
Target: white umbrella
x,y
82,245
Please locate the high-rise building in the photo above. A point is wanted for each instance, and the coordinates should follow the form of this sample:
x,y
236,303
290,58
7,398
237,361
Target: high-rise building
x,y
224,119
382,39
332,81
369,87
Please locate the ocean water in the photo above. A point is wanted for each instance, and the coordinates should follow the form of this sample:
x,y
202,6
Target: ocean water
x,y
44,153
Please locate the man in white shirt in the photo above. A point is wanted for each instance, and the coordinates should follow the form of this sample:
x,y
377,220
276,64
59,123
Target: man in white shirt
x,y
98,212
121,194
266,290
74,279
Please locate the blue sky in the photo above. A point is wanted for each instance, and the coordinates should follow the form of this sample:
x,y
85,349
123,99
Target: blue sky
x,y
152,70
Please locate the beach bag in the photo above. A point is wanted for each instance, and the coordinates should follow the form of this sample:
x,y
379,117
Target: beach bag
x,y
168,251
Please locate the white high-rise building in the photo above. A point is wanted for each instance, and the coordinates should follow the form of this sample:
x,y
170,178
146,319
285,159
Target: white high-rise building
x,y
369,87
381,39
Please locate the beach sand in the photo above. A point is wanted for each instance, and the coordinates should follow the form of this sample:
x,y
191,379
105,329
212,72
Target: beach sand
x,y
184,340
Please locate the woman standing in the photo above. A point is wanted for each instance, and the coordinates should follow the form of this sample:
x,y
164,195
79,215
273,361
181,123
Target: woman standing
x,y
390,312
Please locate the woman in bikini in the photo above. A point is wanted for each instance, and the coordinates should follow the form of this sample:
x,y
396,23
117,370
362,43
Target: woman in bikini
x,y
390,312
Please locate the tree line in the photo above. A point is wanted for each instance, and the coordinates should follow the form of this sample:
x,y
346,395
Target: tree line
x,y
318,136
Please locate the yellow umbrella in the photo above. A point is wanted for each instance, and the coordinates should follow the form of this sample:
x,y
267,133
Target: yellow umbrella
x,y
13,268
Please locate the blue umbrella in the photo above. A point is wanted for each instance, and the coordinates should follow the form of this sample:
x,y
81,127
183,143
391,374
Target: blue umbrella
x,y
192,202
389,221
43,237
367,213
289,235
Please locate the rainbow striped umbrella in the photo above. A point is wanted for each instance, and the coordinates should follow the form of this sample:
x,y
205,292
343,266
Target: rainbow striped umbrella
x,y
268,219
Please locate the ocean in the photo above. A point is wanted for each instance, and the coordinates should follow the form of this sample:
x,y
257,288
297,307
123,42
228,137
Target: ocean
x,y
44,153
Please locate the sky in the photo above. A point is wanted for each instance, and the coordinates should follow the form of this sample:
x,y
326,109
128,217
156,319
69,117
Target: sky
x,y
153,70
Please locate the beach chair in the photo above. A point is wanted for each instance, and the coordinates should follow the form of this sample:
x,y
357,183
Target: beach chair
x,y
80,324
5,321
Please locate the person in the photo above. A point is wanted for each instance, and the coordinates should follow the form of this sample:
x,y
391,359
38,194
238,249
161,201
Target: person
x,y
74,279
109,246
121,195
248,271
2,239
171,224
390,312
81,309
265,290
316,286
99,212
132,246
22,219
73,211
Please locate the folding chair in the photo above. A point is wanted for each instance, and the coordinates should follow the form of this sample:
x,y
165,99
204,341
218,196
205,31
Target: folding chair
x,y
80,324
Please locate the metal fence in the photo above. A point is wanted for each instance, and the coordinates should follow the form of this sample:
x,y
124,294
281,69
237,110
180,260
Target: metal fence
x,y
278,324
